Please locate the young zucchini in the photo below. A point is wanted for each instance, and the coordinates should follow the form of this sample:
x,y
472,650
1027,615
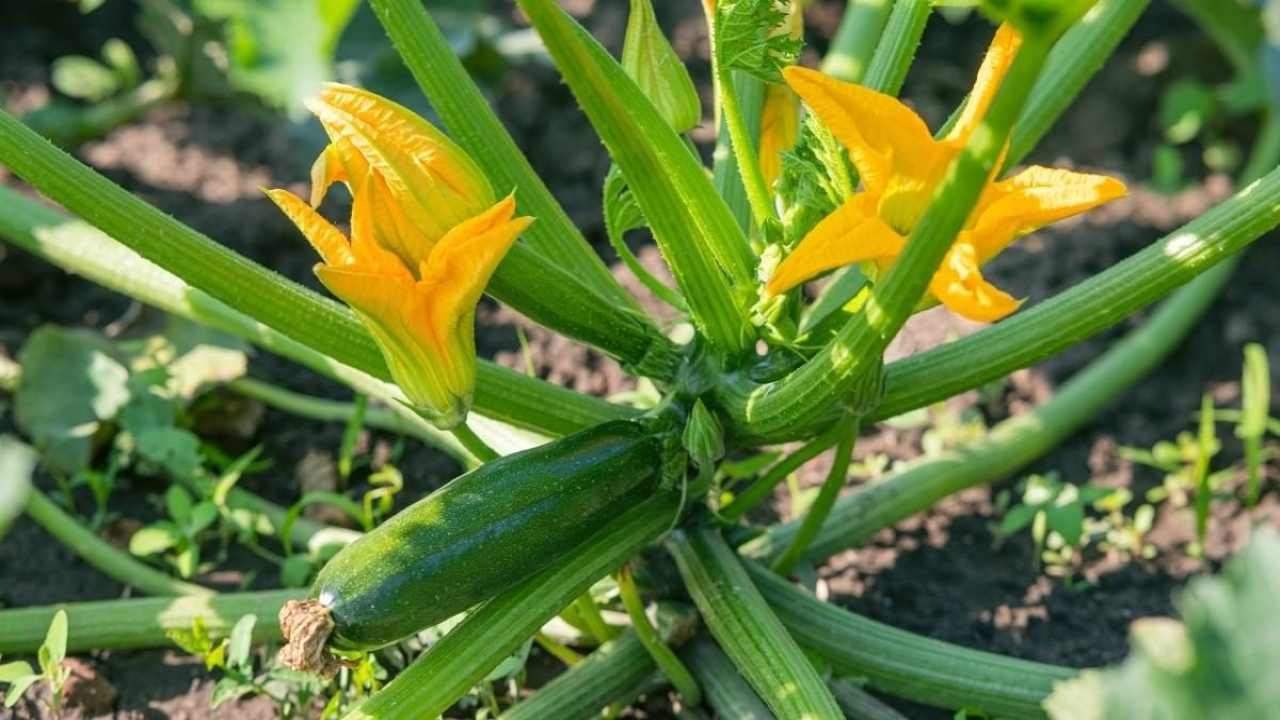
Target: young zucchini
x,y
484,532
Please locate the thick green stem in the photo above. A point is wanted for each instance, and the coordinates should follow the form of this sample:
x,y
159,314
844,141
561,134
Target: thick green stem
x,y
858,704
1075,59
898,44
314,408
1089,307
495,629
727,692
907,665
75,246
113,562
724,171
663,657
856,39
747,629
617,670
1013,443
846,371
473,124
143,623
693,227
817,514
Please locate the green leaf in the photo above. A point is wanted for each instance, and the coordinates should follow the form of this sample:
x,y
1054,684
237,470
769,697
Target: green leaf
x,y
296,570
17,688
178,503
146,410
174,450
55,641
71,382
512,665
280,50
17,462
117,54
750,37
202,516
228,689
241,643
1255,393
650,60
1018,518
83,78
1068,521
154,538
187,560
1185,109
1220,662
12,671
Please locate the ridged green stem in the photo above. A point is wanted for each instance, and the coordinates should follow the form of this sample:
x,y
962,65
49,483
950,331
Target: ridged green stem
x,y
726,691
858,704
142,623
724,168
860,30
1087,308
1074,60
472,123
558,301
494,630
619,669
908,665
77,247
748,631
846,371
324,410
693,227
100,554
898,45
1013,443
816,516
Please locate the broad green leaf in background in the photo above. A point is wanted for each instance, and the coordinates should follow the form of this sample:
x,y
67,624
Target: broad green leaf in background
x,y
17,461
71,383
1219,662
280,50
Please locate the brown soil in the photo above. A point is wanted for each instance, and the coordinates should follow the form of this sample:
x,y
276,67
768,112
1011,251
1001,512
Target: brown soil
x,y
941,574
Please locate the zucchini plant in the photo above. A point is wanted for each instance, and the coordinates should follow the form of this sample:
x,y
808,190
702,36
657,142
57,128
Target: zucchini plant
x,y
817,175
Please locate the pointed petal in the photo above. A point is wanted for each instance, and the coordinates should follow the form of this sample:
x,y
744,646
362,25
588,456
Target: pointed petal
x,y
375,250
460,265
846,236
883,136
437,183
388,226
1036,197
339,162
779,129
323,236
990,75
959,285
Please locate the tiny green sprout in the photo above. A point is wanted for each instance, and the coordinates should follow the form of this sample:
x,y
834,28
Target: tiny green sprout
x,y
178,537
379,500
1055,512
19,676
1254,413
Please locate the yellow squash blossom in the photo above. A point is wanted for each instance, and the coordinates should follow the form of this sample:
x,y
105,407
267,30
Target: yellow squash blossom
x,y
779,129
426,236
901,165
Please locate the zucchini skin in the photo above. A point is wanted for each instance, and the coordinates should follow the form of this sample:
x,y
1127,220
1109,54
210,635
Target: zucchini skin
x,y
483,532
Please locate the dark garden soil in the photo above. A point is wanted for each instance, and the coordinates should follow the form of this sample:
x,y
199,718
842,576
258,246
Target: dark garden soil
x,y
942,574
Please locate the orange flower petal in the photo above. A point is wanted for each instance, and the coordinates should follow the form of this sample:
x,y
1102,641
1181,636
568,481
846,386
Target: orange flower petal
x,y
1000,55
1036,197
432,178
779,129
460,265
883,136
846,236
323,236
958,284
339,162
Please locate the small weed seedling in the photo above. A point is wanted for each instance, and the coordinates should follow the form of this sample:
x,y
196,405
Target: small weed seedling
x,y
178,538
20,677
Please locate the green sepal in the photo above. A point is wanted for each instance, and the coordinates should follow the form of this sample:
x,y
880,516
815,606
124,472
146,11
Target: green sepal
x,y
650,60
